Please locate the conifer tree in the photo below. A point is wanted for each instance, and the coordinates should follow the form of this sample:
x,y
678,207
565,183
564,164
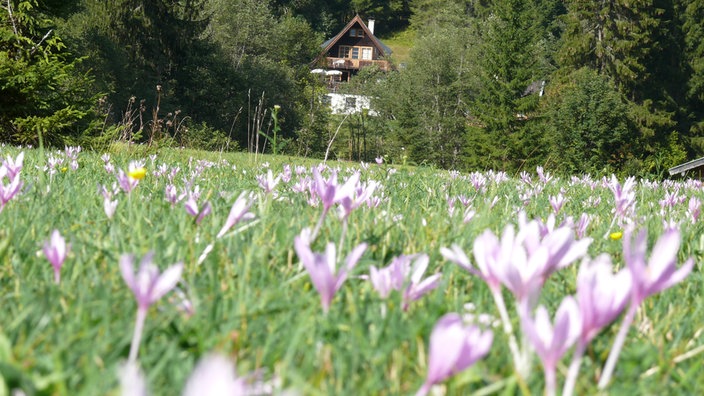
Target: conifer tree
x,y
633,43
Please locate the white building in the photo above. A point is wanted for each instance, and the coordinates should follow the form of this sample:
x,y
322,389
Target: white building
x,y
348,103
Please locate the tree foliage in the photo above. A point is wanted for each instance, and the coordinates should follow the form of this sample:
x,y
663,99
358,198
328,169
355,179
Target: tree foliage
x,y
468,96
42,93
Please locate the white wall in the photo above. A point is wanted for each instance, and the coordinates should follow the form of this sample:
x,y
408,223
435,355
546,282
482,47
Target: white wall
x,y
349,104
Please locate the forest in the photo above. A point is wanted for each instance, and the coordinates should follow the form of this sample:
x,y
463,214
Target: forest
x,y
620,84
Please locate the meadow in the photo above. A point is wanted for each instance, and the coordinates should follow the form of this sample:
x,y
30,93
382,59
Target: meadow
x,y
245,292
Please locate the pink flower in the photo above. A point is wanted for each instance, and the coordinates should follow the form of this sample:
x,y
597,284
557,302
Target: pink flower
x,y
400,275
601,295
550,342
321,267
126,183
239,212
55,251
13,166
520,261
557,202
624,197
9,191
329,191
268,182
418,287
191,207
694,209
147,284
454,347
659,274
661,271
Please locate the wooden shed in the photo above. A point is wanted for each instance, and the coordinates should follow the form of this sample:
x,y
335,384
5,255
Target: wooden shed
x,y
694,167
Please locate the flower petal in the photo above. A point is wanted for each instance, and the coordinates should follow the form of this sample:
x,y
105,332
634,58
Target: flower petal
x,y
166,281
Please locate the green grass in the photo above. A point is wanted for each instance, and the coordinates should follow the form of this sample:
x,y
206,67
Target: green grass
x,y
254,304
401,43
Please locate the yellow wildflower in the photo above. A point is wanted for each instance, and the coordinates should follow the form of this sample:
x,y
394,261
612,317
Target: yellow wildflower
x,y
616,235
137,173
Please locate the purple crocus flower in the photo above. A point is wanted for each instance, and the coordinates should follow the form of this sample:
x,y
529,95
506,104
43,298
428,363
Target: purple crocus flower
x,y
624,197
544,177
454,347
321,267
694,209
148,286
557,202
171,195
389,278
191,207
523,261
660,273
485,255
357,197
268,182
126,183
13,166
7,192
55,250
109,206
400,275
601,296
582,224
329,191
418,287
550,342
239,212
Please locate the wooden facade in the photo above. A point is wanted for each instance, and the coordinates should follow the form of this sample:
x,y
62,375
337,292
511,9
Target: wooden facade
x,y
352,49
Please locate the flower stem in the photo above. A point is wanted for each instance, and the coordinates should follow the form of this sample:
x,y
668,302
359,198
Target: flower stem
x,y
618,344
573,372
424,389
550,381
137,336
318,225
342,235
508,330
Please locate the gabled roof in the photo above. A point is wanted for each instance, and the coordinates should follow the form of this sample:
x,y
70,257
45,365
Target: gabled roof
x,y
686,166
380,47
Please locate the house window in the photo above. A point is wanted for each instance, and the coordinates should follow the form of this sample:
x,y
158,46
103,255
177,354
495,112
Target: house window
x,y
355,52
344,51
353,32
350,102
366,53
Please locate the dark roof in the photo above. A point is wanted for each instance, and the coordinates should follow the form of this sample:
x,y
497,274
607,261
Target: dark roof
x,y
686,166
381,47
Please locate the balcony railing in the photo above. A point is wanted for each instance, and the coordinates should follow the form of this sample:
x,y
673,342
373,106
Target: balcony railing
x,y
356,64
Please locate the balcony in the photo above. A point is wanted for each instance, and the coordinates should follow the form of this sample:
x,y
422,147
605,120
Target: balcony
x,y
356,64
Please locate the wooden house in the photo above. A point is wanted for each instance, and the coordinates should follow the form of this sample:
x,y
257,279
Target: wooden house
x,y
352,49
